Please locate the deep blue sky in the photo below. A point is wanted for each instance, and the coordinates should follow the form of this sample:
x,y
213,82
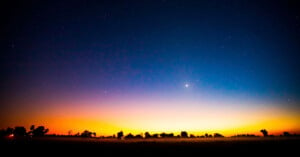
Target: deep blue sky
x,y
247,49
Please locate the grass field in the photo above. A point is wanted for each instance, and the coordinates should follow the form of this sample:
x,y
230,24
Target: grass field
x,y
77,146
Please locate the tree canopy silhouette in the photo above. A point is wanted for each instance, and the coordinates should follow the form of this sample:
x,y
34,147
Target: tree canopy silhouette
x,y
184,134
218,135
39,131
264,132
19,131
120,135
147,135
87,133
129,136
164,135
286,134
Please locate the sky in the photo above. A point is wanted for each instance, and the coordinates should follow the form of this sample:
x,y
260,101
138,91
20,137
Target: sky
x,y
159,66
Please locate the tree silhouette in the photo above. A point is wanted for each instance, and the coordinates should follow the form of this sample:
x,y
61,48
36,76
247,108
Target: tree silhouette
x,y
19,131
129,136
39,131
70,132
138,136
9,131
77,134
147,135
32,127
155,135
264,132
184,134
120,135
218,135
6,132
164,135
286,134
86,133
207,135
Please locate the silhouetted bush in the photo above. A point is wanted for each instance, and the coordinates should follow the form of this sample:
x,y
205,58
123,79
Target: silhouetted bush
x,y
218,135
138,136
170,135
184,134
39,131
86,133
77,134
155,136
164,135
6,132
147,135
264,132
129,136
245,135
286,134
9,131
208,135
19,131
120,135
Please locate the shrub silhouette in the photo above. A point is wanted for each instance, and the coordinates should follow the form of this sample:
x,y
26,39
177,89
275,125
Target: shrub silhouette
x,y
207,135
9,130
286,134
184,134
39,131
19,131
129,136
155,135
120,135
86,133
264,132
138,136
32,127
218,135
164,135
244,135
6,132
147,135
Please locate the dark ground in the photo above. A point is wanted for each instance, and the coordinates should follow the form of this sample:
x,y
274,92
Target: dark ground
x,y
70,146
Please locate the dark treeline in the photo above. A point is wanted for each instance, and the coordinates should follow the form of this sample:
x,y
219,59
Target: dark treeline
x,y
20,132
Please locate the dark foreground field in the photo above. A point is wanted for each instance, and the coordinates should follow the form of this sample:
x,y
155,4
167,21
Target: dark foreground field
x,y
64,146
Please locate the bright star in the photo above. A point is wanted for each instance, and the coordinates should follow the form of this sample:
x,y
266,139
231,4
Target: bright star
x,y
186,85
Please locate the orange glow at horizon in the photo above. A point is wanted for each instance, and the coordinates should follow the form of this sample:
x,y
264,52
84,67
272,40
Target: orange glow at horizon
x,y
195,119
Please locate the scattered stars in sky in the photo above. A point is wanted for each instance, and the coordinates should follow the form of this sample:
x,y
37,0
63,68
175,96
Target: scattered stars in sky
x,y
194,51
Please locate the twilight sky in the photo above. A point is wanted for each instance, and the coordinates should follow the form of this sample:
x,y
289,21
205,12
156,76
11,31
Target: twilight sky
x,y
201,66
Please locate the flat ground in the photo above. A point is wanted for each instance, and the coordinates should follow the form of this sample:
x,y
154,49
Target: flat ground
x,y
77,146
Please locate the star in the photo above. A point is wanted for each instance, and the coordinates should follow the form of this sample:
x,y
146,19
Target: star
x,y
186,85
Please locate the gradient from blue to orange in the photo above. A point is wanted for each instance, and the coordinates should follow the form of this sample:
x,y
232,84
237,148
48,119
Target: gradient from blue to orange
x,y
110,66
